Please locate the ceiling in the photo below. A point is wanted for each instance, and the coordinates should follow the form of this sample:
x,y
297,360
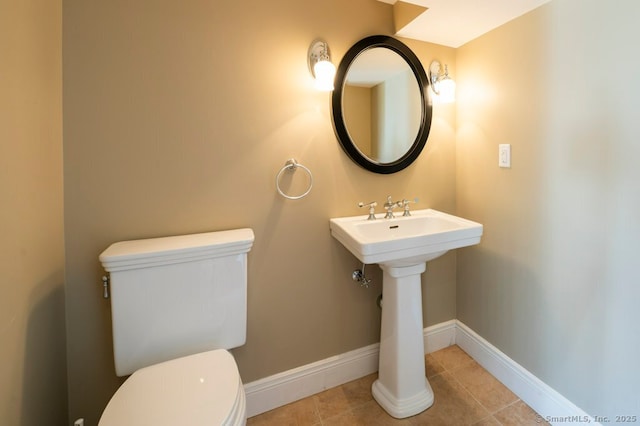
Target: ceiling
x,y
455,22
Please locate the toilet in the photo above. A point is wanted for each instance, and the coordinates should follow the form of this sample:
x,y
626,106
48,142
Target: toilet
x,y
178,304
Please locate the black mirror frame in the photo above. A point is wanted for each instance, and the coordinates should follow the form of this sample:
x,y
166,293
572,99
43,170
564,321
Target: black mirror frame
x,y
336,104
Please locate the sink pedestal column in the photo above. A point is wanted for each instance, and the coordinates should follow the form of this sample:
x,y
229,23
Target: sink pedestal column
x,y
402,389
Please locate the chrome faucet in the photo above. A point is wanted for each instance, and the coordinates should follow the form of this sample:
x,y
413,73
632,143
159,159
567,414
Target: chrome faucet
x,y
372,209
389,206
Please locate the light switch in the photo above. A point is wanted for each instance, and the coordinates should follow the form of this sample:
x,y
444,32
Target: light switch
x,y
504,155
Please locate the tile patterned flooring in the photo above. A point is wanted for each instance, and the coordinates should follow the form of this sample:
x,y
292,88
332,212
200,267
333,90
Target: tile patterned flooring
x,y
465,394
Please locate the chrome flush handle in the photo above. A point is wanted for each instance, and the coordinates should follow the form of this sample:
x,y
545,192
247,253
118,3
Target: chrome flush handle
x,y
105,286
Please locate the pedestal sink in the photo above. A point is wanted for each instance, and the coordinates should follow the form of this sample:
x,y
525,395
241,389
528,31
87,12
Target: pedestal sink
x,y
402,246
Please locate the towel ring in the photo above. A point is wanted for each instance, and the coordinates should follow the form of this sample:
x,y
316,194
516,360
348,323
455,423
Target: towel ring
x,y
291,165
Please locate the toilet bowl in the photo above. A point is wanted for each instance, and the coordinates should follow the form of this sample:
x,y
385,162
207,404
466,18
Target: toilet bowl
x,y
200,389
178,303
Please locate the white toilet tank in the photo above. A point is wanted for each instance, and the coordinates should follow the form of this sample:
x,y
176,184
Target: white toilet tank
x,y
177,296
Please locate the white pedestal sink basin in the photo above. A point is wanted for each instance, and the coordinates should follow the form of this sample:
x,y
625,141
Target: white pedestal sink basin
x,y
402,246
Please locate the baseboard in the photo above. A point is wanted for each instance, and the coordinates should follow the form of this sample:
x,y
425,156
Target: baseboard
x,y
439,336
552,406
289,386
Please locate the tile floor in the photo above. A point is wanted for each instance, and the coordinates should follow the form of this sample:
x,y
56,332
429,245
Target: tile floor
x,y
465,394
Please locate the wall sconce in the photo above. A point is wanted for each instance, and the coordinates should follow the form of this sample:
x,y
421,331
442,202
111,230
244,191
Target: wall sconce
x,y
441,84
319,61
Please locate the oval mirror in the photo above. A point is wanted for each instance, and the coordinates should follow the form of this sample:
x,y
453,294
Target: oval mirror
x,y
381,107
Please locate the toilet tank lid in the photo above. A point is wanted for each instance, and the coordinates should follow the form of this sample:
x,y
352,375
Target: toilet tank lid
x,y
182,248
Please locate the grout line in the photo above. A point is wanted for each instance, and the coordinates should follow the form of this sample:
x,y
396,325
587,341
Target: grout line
x,y
508,405
316,409
471,362
490,414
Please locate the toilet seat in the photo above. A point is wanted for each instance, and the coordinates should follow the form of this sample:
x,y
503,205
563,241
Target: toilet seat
x,y
200,389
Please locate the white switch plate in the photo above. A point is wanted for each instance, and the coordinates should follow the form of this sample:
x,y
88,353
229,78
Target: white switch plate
x,y
504,155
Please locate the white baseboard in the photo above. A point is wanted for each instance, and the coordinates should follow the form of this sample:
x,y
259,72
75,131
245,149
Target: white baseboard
x,y
289,386
439,336
552,406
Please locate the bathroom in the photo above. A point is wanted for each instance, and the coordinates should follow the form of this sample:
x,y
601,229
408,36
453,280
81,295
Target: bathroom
x,y
126,120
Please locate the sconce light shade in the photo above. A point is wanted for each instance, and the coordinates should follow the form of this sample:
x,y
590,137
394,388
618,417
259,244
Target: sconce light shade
x,y
447,89
325,73
441,84
319,61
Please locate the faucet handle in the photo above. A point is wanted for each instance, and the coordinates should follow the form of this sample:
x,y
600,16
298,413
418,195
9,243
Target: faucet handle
x,y
372,209
405,203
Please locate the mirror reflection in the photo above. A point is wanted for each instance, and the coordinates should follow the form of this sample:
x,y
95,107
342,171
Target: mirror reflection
x,y
382,105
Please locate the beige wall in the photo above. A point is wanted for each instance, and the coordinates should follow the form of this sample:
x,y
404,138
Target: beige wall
x,y
171,127
554,283
33,387
177,118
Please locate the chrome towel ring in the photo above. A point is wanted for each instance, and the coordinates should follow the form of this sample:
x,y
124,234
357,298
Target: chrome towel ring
x,y
291,165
